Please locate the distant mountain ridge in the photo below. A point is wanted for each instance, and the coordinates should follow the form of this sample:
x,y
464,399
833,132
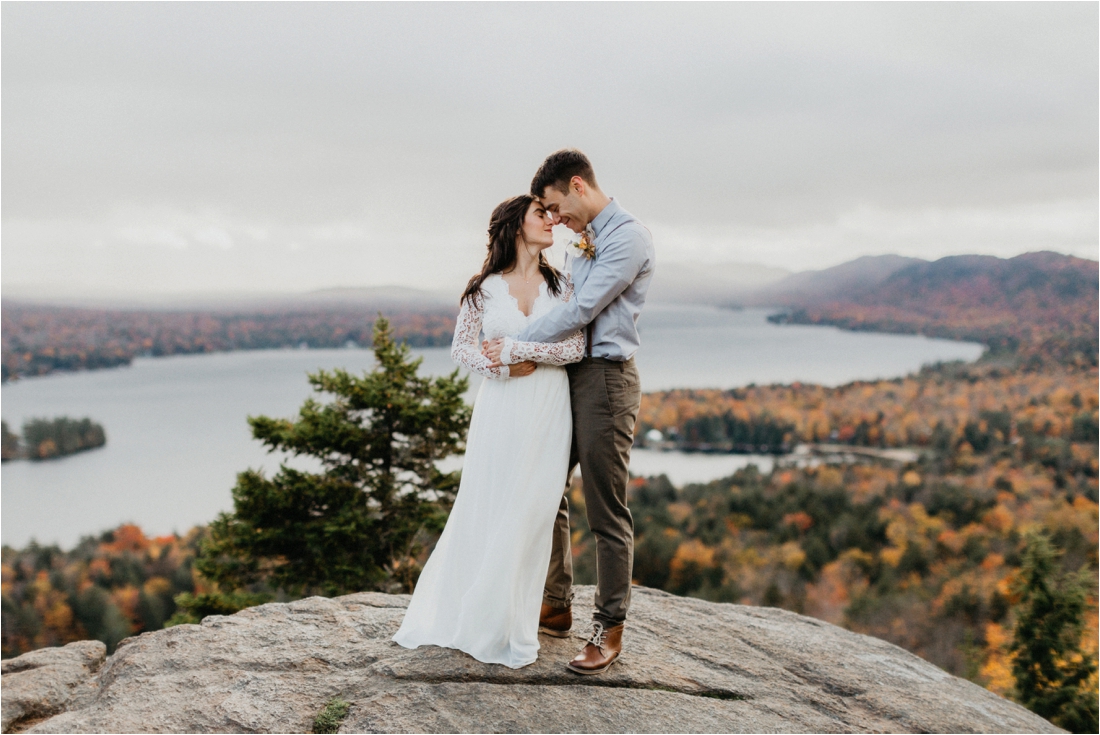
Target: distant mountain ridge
x,y
808,287
716,284
735,284
405,297
1043,304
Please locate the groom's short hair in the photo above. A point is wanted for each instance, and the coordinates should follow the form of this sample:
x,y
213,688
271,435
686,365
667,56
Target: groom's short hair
x,y
558,170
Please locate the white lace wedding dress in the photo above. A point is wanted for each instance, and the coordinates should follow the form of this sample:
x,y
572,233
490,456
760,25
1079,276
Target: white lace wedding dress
x,y
481,589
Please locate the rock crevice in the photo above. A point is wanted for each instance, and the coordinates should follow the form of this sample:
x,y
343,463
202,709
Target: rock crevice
x,y
687,666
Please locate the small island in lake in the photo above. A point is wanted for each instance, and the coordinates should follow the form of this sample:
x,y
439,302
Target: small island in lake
x,y
51,438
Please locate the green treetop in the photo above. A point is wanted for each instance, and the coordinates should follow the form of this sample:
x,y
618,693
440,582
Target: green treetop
x,y
1054,678
359,523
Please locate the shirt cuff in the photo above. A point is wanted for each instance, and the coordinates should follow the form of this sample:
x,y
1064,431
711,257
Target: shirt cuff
x,y
506,353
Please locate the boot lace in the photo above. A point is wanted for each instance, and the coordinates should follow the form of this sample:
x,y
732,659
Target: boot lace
x,y
599,635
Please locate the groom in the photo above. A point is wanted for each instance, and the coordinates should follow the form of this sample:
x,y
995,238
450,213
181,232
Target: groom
x,y
611,274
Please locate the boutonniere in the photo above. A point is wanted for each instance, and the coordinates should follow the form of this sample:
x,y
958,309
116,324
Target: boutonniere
x,y
582,246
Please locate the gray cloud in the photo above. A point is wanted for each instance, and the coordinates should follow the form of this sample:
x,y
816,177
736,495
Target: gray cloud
x,y
182,147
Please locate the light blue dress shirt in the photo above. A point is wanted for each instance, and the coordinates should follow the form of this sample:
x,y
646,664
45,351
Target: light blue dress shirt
x,y
608,290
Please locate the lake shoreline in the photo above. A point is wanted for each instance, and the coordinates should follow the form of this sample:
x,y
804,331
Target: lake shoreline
x,y
179,433
772,314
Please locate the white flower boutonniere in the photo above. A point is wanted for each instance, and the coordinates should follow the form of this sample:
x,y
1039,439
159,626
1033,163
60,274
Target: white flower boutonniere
x,y
581,246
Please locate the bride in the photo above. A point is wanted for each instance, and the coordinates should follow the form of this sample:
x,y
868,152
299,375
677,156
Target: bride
x,y
481,589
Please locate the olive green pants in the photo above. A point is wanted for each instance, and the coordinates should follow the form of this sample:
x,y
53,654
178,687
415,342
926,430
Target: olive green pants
x,y
606,396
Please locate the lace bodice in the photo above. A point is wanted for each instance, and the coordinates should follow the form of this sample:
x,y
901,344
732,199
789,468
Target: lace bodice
x,y
497,312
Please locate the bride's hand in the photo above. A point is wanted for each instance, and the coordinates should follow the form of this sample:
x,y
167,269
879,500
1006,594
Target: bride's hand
x,y
492,348
521,369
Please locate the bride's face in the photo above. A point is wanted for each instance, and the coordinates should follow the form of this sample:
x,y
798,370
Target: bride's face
x,y
538,226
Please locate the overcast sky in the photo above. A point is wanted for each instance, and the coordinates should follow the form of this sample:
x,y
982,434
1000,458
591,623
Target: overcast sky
x,y
286,147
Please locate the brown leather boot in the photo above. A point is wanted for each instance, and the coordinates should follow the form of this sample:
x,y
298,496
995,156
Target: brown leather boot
x,y
556,621
602,650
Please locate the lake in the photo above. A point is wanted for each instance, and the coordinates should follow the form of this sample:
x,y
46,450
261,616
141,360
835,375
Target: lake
x,y
177,436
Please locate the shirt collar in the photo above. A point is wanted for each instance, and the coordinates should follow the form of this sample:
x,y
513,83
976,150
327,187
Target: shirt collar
x,y
605,215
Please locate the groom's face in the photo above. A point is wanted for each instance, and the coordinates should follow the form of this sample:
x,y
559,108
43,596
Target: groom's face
x,y
565,208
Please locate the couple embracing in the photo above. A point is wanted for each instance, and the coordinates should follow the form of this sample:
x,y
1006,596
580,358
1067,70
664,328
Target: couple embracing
x,y
561,390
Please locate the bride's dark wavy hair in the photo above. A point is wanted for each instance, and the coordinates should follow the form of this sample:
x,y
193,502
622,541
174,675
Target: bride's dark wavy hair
x,y
505,225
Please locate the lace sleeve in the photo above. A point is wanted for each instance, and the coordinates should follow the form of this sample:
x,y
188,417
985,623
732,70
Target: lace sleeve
x,y
570,349
465,349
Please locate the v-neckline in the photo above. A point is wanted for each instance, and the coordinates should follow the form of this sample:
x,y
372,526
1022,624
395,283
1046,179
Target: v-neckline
x,y
515,301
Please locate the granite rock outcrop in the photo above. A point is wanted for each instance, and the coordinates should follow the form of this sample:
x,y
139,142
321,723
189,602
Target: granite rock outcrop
x,y
687,666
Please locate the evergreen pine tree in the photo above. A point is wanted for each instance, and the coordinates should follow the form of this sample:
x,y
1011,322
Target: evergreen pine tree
x,y
360,522
1052,673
